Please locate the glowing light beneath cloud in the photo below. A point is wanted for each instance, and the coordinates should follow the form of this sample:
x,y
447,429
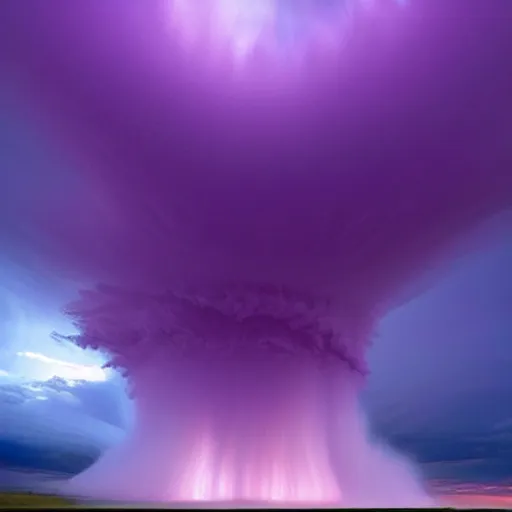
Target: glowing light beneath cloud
x,y
280,29
269,40
66,370
272,479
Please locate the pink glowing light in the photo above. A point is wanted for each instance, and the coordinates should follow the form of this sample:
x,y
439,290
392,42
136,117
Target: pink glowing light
x,y
271,476
270,37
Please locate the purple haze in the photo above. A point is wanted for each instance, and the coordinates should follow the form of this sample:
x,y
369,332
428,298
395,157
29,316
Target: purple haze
x,y
242,231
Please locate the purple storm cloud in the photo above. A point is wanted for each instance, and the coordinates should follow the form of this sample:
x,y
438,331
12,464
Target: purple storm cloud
x,y
252,189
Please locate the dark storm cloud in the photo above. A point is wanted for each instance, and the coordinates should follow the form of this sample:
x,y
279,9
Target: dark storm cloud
x,y
104,401
54,425
441,388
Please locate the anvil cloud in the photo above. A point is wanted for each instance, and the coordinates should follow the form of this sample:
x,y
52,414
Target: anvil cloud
x,y
242,230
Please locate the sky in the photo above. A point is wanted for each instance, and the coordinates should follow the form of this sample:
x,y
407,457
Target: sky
x,y
440,387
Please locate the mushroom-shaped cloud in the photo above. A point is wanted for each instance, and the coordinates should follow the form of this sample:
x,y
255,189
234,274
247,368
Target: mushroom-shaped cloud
x,y
250,200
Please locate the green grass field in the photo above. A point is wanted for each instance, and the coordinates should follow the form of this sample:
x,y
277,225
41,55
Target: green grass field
x,y
10,500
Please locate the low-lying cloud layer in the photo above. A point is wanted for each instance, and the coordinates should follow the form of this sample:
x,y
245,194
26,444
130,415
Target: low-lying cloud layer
x,y
57,425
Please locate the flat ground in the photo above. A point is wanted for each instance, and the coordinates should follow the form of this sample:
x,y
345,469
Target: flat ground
x,y
10,500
